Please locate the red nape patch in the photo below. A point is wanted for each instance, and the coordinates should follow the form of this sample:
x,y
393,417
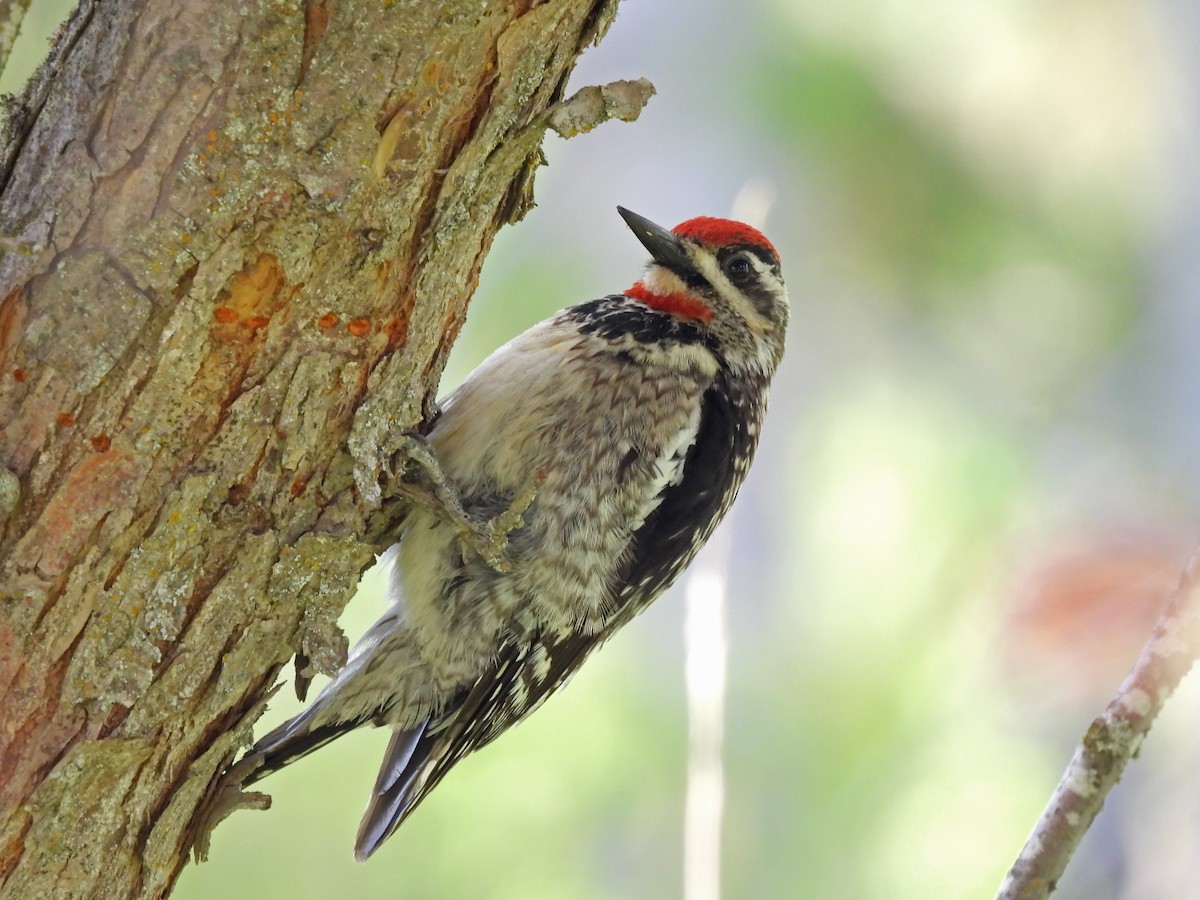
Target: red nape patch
x,y
722,233
679,304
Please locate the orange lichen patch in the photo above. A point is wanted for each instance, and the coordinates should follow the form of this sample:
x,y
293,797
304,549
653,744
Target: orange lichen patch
x,y
327,321
254,295
13,656
65,420
212,136
359,327
35,718
101,443
452,322
20,374
96,486
396,330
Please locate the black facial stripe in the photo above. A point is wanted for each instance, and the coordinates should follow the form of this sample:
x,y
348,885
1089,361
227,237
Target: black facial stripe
x,y
760,295
764,255
757,289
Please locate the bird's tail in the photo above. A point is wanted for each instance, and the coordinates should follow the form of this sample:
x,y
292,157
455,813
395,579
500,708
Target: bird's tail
x,y
350,700
293,740
398,788
413,763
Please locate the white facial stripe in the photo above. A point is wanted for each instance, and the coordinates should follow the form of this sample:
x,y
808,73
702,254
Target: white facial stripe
x,y
661,280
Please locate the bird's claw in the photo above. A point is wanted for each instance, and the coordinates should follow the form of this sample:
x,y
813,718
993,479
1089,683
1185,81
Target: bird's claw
x,y
432,489
490,539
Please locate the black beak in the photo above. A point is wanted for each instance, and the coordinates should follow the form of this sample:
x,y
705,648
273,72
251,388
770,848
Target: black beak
x,y
663,246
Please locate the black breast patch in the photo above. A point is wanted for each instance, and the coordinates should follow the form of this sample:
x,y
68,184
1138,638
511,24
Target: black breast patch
x,y
690,510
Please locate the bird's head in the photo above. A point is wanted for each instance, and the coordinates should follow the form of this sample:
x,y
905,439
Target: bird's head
x,y
724,277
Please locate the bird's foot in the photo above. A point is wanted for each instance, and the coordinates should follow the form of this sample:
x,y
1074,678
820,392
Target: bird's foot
x,y
415,475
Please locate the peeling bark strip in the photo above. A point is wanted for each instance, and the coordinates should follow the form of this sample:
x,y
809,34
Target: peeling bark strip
x,y
236,249
1110,743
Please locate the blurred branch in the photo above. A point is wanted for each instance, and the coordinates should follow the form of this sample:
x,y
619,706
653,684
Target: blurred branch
x,y
12,13
1112,740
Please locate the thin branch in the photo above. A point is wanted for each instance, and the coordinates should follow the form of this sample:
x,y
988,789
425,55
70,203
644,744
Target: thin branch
x,y
1112,740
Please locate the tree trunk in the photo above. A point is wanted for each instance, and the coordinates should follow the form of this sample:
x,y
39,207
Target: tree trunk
x,y
236,242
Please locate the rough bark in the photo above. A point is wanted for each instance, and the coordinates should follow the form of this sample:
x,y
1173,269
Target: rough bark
x,y
236,242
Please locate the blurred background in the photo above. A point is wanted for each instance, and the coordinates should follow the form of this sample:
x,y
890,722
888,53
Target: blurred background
x,y
979,478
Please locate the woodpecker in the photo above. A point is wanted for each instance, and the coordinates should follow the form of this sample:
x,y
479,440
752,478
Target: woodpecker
x,y
599,450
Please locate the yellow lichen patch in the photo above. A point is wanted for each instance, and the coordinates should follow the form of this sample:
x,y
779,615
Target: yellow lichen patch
x,y
256,286
396,329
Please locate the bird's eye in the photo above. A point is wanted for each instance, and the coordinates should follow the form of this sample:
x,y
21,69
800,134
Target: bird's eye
x,y
738,268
